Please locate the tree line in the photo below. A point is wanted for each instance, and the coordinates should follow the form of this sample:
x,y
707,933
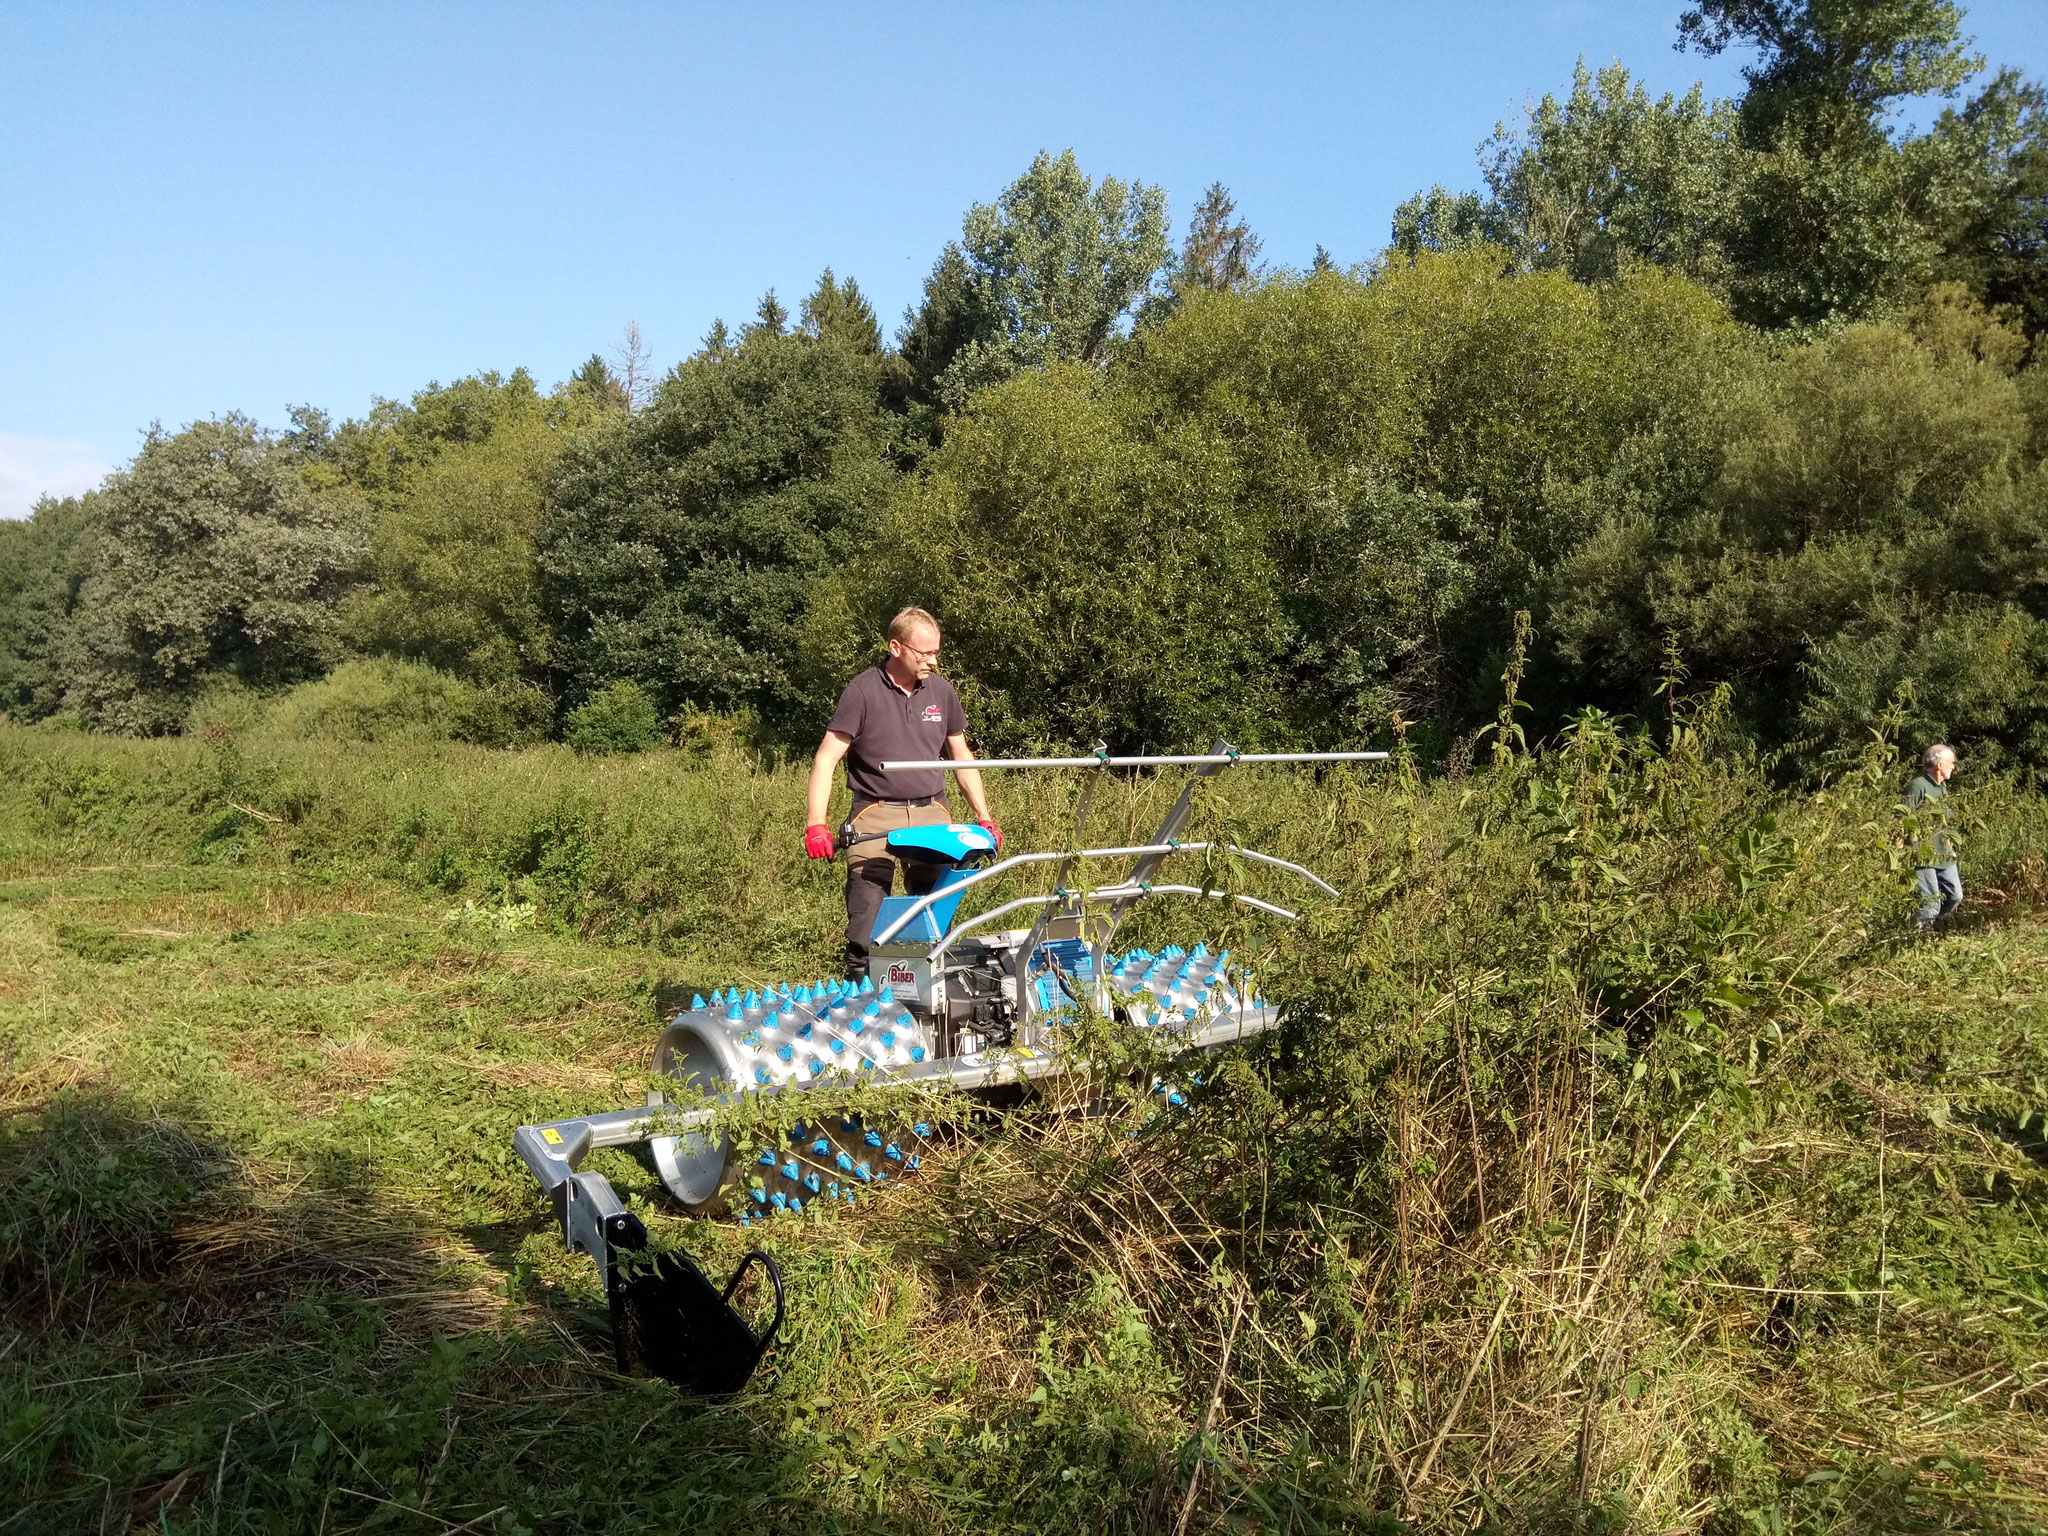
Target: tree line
x,y
1747,392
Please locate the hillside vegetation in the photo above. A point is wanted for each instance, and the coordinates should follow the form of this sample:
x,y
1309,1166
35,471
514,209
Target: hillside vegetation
x,y
1624,1159
1753,385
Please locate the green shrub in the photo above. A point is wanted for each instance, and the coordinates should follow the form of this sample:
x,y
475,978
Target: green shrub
x,y
370,701
394,701
621,718
225,704
505,714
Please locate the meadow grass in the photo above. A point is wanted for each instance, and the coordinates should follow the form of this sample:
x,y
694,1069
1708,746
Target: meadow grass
x,y
1626,1163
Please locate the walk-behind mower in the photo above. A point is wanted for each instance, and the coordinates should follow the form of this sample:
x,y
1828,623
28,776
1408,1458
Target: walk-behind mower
x,y
951,1005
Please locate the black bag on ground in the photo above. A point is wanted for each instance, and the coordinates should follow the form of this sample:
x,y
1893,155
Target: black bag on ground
x,y
668,1315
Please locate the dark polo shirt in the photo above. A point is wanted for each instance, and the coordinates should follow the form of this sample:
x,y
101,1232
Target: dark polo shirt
x,y
888,725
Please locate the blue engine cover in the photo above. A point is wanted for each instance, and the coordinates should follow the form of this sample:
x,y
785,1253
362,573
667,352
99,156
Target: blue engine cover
x,y
951,843
929,924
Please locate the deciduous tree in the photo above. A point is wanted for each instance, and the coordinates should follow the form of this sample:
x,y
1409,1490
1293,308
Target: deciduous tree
x,y
1049,272
452,561
680,547
1610,175
1836,217
44,558
211,555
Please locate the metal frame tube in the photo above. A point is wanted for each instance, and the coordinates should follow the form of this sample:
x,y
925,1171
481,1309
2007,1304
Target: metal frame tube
x,y
1106,893
552,1160
1135,892
1162,850
1253,854
1178,760
939,949
985,873
1146,865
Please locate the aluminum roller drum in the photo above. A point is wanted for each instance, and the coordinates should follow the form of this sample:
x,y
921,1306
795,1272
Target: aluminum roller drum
x,y
1175,986
788,1038
829,1161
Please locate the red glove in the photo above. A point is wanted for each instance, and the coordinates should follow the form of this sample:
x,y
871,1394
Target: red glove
x,y
993,831
818,840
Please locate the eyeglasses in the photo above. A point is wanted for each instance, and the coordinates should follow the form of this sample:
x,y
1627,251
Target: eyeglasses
x,y
918,650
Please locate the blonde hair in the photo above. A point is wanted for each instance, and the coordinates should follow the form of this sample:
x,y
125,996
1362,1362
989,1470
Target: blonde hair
x,y
911,619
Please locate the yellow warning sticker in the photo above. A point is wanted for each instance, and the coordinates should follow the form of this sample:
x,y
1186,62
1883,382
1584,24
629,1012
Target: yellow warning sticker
x,y
552,1137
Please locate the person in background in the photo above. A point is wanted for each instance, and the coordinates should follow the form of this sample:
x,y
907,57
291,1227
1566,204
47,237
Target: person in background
x,y
1940,877
899,710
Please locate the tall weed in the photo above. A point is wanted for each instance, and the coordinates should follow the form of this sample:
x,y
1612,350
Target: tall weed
x,y
1625,1160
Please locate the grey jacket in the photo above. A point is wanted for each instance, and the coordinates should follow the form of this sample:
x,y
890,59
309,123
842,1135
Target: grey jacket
x,y
1936,843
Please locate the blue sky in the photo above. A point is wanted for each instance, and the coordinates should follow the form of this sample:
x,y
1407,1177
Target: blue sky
x,y
242,207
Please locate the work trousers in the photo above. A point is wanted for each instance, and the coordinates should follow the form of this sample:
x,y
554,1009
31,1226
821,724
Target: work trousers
x,y
1941,891
871,869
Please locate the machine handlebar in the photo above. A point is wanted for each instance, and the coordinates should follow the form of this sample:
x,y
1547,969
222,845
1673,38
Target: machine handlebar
x,y
1104,760
848,837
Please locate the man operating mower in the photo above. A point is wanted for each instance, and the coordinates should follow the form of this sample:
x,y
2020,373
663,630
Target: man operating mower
x,y
899,710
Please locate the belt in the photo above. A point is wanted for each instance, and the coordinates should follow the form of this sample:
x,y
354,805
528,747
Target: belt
x,y
863,803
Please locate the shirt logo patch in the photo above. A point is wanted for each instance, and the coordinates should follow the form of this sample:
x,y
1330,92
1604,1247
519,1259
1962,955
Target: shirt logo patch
x,y
933,715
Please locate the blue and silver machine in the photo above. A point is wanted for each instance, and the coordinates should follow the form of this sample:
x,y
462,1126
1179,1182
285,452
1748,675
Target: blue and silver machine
x,y
951,1002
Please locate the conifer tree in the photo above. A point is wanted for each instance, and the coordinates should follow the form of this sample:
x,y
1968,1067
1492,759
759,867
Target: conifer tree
x,y
770,319
1220,252
840,312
